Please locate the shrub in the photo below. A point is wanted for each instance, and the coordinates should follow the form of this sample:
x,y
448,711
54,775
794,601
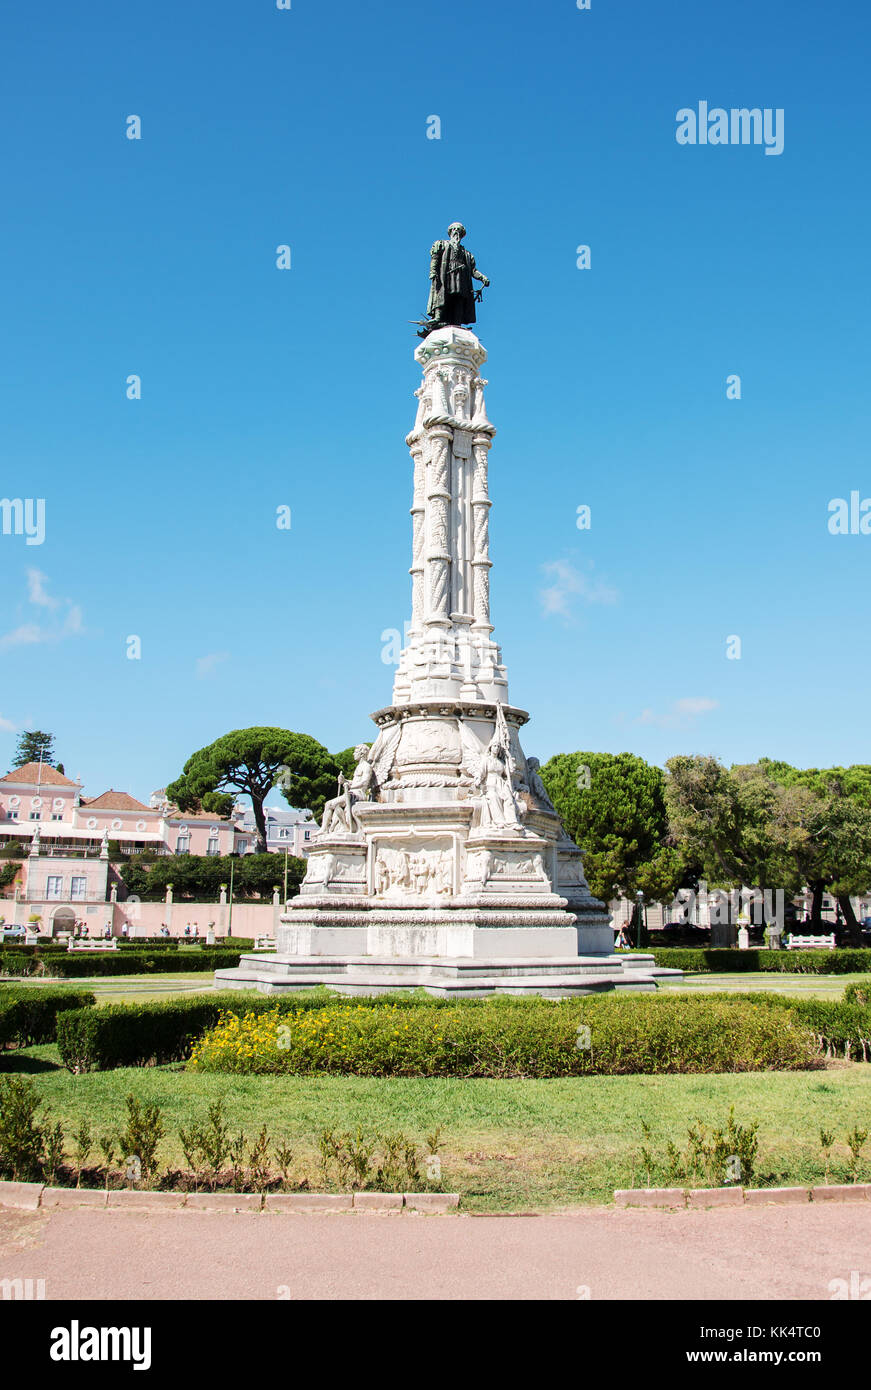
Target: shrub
x,y
23,1136
73,966
859,993
15,963
514,1038
725,961
840,1027
135,1035
28,1017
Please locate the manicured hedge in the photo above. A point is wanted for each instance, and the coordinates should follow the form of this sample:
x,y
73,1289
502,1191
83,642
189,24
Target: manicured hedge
x,y
841,1027
74,965
858,993
725,961
134,1035
516,1038
29,1016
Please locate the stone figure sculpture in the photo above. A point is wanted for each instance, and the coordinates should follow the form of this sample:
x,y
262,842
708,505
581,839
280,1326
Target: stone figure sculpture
x,y
451,271
339,812
536,786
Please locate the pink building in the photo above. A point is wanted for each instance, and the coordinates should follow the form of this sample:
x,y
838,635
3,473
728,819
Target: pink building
x,y
38,795
66,877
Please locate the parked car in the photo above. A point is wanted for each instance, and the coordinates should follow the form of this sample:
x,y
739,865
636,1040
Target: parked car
x,y
12,931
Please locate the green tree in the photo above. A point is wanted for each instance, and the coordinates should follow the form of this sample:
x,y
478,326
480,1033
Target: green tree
x,y
613,806
771,825
252,762
34,746
198,877
832,831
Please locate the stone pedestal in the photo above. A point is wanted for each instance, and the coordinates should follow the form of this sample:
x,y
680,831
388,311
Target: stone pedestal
x,y
445,847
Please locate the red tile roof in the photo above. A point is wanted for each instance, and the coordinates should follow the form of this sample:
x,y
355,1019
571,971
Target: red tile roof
x,y
30,774
114,801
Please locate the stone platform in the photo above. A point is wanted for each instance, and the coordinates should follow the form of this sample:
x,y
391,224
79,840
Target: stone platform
x,y
458,977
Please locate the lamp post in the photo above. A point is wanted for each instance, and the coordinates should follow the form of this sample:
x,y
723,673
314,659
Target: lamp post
x,y
640,933
230,913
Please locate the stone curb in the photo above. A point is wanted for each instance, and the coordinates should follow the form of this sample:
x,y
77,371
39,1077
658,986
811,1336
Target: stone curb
x,y
21,1194
309,1201
715,1197
834,1192
432,1201
72,1197
223,1201
132,1200
378,1201
32,1195
778,1196
650,1197
700,1197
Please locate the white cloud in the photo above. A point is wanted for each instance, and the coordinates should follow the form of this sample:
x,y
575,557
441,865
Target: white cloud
x,y
207,665
683,711
73,621
28,635
6,726
36,590
570,584
66,622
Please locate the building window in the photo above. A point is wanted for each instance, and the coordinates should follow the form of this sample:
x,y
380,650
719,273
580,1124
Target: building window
x,y
78,887
183,844
212,847
307,835
57,815
242,846
34,815
13,815
54,886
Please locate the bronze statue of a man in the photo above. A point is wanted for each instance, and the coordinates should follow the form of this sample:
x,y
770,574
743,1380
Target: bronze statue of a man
x,y
451,271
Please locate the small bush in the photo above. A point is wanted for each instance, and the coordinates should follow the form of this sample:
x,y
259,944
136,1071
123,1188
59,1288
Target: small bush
x,y
28,1017
73,965
859,993
136,1035
24,1138
726,961
514,1038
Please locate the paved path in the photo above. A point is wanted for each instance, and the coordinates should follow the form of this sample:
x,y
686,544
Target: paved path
x,y
765,1253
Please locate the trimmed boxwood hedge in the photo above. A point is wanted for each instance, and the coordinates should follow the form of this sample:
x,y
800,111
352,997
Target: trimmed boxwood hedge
x,y
29,1016
134,1035
73,965
726,961
594,1036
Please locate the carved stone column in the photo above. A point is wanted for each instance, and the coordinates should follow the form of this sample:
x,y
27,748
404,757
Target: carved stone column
x,y
418,517
481,562
438,540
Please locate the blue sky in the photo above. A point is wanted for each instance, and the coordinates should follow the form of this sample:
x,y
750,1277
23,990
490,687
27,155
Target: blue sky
x,y
263,387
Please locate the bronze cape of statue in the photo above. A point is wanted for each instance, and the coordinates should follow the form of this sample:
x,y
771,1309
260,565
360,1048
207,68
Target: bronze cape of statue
x,y
451,271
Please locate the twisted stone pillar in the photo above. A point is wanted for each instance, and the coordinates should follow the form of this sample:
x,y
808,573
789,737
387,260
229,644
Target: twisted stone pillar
x,y
481,562
438,548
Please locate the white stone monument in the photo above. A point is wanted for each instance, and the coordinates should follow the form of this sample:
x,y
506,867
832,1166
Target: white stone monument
x,y
442,862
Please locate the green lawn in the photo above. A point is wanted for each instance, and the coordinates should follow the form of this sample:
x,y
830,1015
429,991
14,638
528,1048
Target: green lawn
x,y
804,986
120,988
510,1145
125,989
